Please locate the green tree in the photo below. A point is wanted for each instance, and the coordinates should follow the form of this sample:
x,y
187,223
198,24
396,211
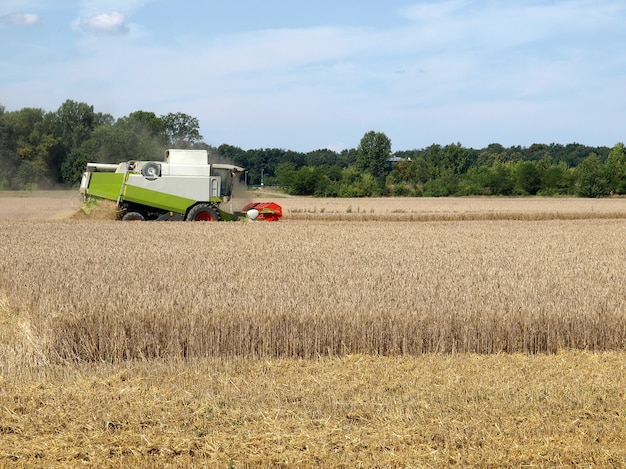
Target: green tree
x,y
500,180
181,130
372,154
9,160
434,158
615,167
73,123
23,131
456,158
286,176
402,171
445,184
139,136
368,186
26,134
322,157
30,176
347,158
476,181
590,178
328,184
527,180
306,180
555,178
538,151
74,164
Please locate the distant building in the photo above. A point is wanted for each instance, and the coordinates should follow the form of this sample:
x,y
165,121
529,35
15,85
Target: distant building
x,y
389,162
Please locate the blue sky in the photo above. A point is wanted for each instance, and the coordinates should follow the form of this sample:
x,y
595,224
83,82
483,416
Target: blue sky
x,y
309,75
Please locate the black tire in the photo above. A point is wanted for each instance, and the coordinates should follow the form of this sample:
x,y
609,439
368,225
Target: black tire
x,y
133,216
151,171
203,212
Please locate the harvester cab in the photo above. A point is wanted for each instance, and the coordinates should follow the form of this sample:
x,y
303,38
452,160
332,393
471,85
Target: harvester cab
x,y
185,186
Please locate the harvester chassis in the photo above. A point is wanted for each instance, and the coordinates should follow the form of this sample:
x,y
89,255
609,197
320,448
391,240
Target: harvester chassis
x,y
182,187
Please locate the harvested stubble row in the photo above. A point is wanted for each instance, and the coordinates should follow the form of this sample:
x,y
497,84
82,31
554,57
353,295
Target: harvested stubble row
x,y
111,291
357,411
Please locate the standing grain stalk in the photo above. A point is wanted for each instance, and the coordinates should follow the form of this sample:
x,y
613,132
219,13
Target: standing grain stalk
x,y
312,288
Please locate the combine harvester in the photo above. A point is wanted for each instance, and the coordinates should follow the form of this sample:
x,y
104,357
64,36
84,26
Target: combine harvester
x,y
183,187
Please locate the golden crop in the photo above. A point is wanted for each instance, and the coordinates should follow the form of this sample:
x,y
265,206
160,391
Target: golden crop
x,y
358,333
111,291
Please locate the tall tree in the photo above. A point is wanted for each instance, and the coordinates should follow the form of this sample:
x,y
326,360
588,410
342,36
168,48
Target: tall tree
x,y
182,130
73,122
591,178
616,169
9,159
140,135
456,158
372,153
30,152
527,179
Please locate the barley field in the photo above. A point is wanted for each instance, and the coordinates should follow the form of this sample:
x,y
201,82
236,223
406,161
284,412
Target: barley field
x,y
353,333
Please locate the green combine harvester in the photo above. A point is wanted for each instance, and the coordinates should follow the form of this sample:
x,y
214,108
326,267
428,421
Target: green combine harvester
x,y
182,187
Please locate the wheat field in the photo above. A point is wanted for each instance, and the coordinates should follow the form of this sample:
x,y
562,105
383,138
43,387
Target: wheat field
x,y
451,208
490,335
109,292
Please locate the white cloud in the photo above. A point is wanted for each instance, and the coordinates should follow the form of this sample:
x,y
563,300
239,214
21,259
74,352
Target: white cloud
x,y
103,23
21,19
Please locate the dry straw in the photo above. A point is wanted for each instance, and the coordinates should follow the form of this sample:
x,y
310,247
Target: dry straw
x,y
467,410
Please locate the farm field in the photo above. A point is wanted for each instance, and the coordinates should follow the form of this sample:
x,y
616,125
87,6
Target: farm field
x,y
39,205
46,205
452,208
403,333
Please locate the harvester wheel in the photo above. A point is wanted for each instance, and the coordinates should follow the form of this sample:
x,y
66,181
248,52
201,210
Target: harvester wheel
x,y
203,212
133,216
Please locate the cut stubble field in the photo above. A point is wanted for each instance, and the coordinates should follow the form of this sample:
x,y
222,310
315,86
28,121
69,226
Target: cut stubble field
x,y
354,333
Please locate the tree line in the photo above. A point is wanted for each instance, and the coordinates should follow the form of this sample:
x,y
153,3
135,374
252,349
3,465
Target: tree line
x,y
41,150
372,169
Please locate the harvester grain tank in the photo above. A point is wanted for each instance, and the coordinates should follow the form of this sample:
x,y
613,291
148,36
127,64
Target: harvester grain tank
x,y
185,186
